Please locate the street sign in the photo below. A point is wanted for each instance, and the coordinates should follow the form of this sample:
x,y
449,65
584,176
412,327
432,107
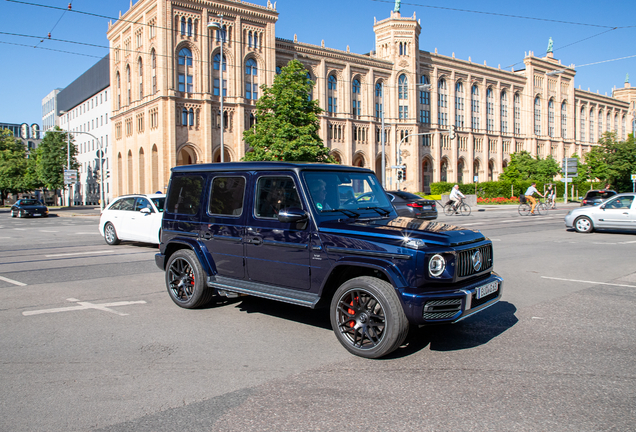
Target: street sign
x,y
571,174
566,180
398,166
570,162
70,177
634,178
99,153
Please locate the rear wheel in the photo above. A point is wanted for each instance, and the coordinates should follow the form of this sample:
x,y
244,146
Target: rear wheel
x,y
464,209
13,213
524,209
583,225
448,209
21,214
186,280
367,317
110,234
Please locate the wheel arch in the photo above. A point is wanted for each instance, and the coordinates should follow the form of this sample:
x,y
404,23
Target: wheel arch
x,y
199,250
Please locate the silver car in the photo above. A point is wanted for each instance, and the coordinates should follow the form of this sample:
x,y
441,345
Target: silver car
x,y
617,213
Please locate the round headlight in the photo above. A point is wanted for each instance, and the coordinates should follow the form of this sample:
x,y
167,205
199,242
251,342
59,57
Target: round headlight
x,y
436,265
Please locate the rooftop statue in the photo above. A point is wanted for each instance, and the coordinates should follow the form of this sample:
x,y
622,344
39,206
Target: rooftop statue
x,y
550,44
397,6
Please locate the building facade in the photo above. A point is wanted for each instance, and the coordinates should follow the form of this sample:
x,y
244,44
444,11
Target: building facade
x,y
50,117
84,109
29,135
166,79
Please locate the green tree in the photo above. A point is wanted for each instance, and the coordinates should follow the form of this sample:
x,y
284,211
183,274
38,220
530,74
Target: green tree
x,y
620,160
287,122
51,159
13,164
523,166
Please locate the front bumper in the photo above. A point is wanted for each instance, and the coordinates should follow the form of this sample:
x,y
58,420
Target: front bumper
x,y
451,306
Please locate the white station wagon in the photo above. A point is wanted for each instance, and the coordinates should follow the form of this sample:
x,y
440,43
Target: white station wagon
x,y
133,218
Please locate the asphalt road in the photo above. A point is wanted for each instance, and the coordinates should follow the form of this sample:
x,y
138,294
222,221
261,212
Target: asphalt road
x,y
90,340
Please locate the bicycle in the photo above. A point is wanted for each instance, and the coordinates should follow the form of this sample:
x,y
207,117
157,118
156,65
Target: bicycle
x,y
525,208
463,209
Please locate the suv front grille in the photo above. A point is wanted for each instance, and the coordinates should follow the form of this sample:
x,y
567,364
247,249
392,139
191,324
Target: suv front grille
x,y
465,260
440,309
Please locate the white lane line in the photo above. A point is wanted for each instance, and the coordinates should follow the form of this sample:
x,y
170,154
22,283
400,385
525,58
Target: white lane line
x,y
48,231
80,253
105,307
86,233
589,282
472,224
11,281
627,242
4,237
20,229
495,239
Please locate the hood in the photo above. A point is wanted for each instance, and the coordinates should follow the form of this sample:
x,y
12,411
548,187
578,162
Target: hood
x,y
430,231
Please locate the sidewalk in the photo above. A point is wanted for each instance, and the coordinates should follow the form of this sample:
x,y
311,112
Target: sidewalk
x,y
74,211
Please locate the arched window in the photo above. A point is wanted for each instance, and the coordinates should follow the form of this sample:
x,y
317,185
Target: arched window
x,y
403,84
128,86
216,74
191,117
332,94
600,124
185,71
251,80
503,110
141,79
183,26
221,34
442,102
189,26
517,114
311,89
615,122
256,40
459,104
425,101
474,107
184,117
537,115
551,118
249,39
608,125
583,123
355,97
378,100
490,110
153,62
592,124
564,120
118,81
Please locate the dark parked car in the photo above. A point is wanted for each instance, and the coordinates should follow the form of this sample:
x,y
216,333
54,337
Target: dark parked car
x,y
28,208
411,205
293,233
596,196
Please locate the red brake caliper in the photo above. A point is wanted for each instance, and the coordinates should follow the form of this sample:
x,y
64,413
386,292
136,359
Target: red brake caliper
x,y
352,312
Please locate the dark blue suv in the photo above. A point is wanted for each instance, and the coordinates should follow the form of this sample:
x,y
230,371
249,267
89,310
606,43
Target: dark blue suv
x,y
320,235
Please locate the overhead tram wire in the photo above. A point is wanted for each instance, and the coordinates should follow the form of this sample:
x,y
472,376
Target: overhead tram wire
x,y
56,23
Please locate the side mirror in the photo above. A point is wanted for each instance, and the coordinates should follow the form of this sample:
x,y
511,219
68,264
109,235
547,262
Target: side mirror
x,y
292,215
602,206
145,211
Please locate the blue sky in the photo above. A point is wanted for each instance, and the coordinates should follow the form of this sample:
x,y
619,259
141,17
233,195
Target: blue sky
x,y
583,32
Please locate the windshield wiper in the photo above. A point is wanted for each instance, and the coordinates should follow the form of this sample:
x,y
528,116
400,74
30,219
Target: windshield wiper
x,y
381,211
347,212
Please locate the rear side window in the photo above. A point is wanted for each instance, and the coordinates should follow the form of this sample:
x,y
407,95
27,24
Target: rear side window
x,y
226,196
407,195
601,194
274,194
127,204
184,196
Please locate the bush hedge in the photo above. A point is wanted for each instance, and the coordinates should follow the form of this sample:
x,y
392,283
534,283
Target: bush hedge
x,y
507,189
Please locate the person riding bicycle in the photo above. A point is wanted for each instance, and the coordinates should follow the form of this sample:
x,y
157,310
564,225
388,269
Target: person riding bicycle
x,y
456,197
550,196
531,191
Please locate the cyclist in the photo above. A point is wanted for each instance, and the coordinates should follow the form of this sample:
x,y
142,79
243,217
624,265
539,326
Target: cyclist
x,y
532,190
456,198
550,197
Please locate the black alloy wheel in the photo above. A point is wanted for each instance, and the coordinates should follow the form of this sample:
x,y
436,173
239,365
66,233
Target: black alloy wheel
x,y
367,317
186,280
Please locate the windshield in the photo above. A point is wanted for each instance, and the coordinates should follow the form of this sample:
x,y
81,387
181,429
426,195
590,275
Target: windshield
x,y
30,202
159,202
600,194
407,195
347,193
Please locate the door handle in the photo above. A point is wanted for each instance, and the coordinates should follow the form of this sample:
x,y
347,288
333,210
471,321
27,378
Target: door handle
x,y
207,235
256,240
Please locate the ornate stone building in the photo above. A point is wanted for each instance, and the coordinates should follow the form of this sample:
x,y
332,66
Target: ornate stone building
x,y
166,72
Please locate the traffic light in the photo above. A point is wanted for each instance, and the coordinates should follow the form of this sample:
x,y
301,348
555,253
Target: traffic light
x,y
106,174
451,135
400,175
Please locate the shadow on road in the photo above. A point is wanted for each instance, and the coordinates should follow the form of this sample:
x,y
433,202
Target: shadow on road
x,y
300,314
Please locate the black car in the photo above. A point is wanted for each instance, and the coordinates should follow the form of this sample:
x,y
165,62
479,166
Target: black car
x,y
411,205
596,196
294,233
29,208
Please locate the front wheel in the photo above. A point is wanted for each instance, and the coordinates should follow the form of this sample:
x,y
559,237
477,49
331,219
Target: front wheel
x,y
186,280
110,234
524,209
583,225
367,317
448,209
13,214
464,210
541,208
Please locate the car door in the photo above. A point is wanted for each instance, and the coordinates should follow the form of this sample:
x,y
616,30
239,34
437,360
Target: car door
x,y
121,216
223,223
144,225
276,252
616,212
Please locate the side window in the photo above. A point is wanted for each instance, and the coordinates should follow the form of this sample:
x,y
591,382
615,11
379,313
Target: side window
x,y
274,194
116,205
159,202
226,196
142,203
624,202
127,204
184,196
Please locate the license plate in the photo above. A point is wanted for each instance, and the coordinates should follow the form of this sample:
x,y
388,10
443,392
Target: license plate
x,y
37,214
486,290
426,207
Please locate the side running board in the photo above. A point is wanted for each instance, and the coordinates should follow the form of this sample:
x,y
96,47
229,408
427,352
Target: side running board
x,y
256,289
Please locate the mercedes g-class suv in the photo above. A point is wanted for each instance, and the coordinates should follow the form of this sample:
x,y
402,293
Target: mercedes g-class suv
x,y
284,231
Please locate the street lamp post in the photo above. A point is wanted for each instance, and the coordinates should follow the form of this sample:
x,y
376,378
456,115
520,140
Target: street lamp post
x,y
219,27
398,158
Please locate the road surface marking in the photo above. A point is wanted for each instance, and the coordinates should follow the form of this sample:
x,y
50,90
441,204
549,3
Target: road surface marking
x,y
105,307
20,229
81,253
476,223
48,231
589,282
627,242
11,281
86,233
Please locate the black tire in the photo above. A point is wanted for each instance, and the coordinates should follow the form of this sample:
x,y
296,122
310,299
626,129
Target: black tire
x,y
367,317
541,209
448,209
21,214
464,209
110,234
186,280
584,225
13,213
524,209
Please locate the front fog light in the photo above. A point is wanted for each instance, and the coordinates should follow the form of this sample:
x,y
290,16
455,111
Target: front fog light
x,y
436,265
